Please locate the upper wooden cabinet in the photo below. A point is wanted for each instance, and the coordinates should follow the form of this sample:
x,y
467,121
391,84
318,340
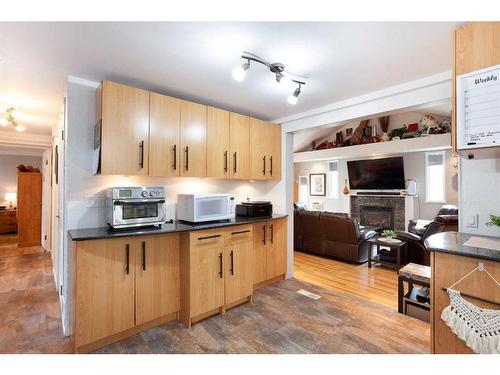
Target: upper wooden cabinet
x,y
265,141
124,114
217,143
164,135
193,139
239,144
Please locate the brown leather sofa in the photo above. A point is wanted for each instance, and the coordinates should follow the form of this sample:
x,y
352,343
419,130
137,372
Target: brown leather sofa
x,y
447,216
331,235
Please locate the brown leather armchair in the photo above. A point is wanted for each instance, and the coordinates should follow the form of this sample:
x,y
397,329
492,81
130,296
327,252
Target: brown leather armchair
x,y
312,237
343,239
447,215
417,252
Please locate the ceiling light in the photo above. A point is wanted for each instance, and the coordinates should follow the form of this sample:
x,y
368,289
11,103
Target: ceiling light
x,y
292,99
20,128
278,69
11,119
240,71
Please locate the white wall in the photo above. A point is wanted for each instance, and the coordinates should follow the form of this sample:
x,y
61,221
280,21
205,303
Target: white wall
x,y
414,164
479,194
8,173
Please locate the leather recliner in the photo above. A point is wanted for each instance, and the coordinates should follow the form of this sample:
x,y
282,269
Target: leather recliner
x,y
417,252
312,236
447,215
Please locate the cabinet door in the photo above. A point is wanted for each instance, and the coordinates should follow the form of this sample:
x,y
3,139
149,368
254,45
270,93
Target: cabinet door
x,y
238,280
124,129
260,252
164,129
157,277
193,139
240,146
104,288
206,275
258,141
274,150
217,143
276,249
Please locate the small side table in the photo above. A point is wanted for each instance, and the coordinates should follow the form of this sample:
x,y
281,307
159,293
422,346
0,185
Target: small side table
x,y
399,247
413,274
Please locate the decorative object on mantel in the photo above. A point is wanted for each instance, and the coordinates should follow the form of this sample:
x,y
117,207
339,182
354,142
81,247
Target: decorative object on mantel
x,y
431,126
357,136
494,221
317,183
29,168
384,126
479,328
346,189
397,133
348,133
339,139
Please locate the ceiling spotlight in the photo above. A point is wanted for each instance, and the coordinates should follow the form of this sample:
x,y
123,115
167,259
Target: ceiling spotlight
x,y
240,71
292,99
20,128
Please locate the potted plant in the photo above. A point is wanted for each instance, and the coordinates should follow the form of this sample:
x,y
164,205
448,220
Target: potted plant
x,y
390,234
494,221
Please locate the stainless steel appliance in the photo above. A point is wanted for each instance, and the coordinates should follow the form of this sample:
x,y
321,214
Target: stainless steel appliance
x,y
128,207
197,208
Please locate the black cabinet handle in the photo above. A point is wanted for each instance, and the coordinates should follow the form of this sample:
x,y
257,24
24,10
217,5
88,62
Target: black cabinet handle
x,y
272,233
264,165
144,255
141,159
264,229
271,165
174,164
220,265
231,255
186,151
225,161
240,232
209,237
234,167
127,258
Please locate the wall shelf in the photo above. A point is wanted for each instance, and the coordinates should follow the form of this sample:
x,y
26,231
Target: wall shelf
x,y
430,143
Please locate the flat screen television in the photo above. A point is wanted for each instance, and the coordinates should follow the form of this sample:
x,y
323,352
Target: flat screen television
x,y
376,174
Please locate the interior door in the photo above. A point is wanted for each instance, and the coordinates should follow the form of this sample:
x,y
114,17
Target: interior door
x,y
260,240
276,250
217,143
193,139
207,275
157,277
240,146
238,281
29,208
104,288
164,135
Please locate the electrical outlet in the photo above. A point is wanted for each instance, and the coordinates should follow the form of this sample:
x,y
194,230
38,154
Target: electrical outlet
x,y
472,220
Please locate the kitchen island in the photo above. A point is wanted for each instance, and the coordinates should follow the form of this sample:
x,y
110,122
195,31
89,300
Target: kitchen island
x,y
127,281
450,261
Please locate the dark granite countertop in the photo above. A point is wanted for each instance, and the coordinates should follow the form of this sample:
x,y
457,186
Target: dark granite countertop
x,y
175,227
452,243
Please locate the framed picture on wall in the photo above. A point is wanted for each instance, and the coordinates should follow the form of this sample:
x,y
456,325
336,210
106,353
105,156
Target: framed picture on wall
x,y
317,182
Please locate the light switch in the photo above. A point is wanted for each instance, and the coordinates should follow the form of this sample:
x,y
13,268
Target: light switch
x,y
472,220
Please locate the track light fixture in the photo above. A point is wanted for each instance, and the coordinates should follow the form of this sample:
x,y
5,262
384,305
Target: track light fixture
x,y
278,69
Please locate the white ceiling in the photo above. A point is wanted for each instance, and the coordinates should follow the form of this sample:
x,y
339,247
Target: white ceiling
x,y
194,61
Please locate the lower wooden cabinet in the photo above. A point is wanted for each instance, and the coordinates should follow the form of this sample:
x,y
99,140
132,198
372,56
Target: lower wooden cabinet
x,y
270,250
120,284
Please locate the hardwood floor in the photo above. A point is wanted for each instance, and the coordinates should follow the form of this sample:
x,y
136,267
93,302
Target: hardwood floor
x,y
377,284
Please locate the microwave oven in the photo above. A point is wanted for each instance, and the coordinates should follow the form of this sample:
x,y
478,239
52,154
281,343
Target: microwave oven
x,y
197,208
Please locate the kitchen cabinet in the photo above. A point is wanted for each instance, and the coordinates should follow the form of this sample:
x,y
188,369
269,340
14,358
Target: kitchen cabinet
x,y
217,143
270,250
193,139
122,284
239,146
265,159
124,115
164,135
157,277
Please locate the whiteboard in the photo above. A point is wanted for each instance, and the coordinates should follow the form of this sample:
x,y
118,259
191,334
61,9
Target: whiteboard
x,y
478,108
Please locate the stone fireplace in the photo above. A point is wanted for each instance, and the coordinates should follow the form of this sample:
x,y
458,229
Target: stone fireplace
x,y
385,211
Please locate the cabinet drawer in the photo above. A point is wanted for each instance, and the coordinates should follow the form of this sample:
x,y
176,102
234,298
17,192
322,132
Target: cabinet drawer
x,y
238,234
206,238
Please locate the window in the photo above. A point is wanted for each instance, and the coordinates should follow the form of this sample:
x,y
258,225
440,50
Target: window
x,y
434,177
333,182
303,186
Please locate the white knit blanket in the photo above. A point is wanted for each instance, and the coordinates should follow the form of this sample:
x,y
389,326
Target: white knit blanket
x,y
478,328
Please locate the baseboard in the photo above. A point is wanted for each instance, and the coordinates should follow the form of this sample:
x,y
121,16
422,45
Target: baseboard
x,y
268,282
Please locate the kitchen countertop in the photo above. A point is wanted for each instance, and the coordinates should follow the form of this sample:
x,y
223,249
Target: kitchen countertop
x,y
175,227
452,243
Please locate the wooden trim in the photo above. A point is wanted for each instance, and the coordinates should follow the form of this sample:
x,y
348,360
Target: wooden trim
x,y
453,93
239,302
220,310
87,348
268,282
